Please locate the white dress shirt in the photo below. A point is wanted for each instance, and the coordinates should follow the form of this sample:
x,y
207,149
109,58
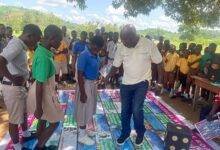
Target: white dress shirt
x,y
137,61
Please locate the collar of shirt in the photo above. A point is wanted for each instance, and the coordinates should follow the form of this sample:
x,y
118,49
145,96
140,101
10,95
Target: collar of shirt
x,y
23,44
46,51
92,55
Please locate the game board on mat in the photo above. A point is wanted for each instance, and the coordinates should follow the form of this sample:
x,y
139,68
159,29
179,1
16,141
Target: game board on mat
x,y
107,124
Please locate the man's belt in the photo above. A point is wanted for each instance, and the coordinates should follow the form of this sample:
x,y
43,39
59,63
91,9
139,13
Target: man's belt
x,y
10,83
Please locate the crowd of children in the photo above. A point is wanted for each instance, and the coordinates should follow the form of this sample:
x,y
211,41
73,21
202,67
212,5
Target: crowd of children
x,y
86,60
181,65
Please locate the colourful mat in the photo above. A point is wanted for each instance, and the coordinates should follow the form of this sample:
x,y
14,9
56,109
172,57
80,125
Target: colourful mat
x,y
107,125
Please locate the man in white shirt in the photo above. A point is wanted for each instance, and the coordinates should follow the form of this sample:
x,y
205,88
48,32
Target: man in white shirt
x,y
136,55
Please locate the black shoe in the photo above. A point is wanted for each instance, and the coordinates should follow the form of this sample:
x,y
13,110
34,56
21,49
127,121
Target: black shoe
x,y
122,139
139,140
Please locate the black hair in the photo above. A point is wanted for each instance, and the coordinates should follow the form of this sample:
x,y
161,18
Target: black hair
x,y
192,46
97,41
52,30
63,27
166,45
161,37
84,33
213,45
32,29
199,47
106,33
183,45
167,42
8,27
148,37
116,33
110,33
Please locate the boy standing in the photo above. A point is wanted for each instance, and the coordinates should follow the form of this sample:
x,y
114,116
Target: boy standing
x,y
170,69
73,40
183,70
42,99
79,47
61,61
14,69
193,62
88,65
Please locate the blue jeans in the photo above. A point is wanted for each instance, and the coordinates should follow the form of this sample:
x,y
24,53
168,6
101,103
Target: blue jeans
x,y
132,101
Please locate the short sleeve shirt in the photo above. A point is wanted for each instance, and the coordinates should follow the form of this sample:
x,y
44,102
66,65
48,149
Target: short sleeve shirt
x,y
89,64
171,62
183,65
43,65
204,59
111,49
61,57
79,47
15,54
137,61
192,58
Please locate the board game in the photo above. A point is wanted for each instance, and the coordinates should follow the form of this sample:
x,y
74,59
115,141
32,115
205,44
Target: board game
x,y
107,125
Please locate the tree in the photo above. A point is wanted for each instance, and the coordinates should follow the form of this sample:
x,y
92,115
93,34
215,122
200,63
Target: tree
x,y
188,32
189,12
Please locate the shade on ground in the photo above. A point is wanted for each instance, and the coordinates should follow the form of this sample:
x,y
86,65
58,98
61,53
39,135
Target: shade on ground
x,y
107,124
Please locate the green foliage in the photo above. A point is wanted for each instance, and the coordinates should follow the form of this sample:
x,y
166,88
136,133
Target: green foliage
x,y
91,26
187,12
18,17
204,37
188,32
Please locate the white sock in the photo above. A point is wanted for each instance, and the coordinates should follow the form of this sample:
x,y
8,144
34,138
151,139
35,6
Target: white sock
x,y
26,133
17,146
82,133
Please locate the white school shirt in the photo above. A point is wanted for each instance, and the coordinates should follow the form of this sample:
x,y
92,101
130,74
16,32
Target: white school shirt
x,y
15,54
111,49
137,61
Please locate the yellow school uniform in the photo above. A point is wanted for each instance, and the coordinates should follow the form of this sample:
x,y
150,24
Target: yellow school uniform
x,y
30,54
171,61
183,65
61,57
192,58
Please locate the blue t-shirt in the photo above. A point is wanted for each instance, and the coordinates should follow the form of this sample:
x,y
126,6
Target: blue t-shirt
x,y
89,64
79,47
